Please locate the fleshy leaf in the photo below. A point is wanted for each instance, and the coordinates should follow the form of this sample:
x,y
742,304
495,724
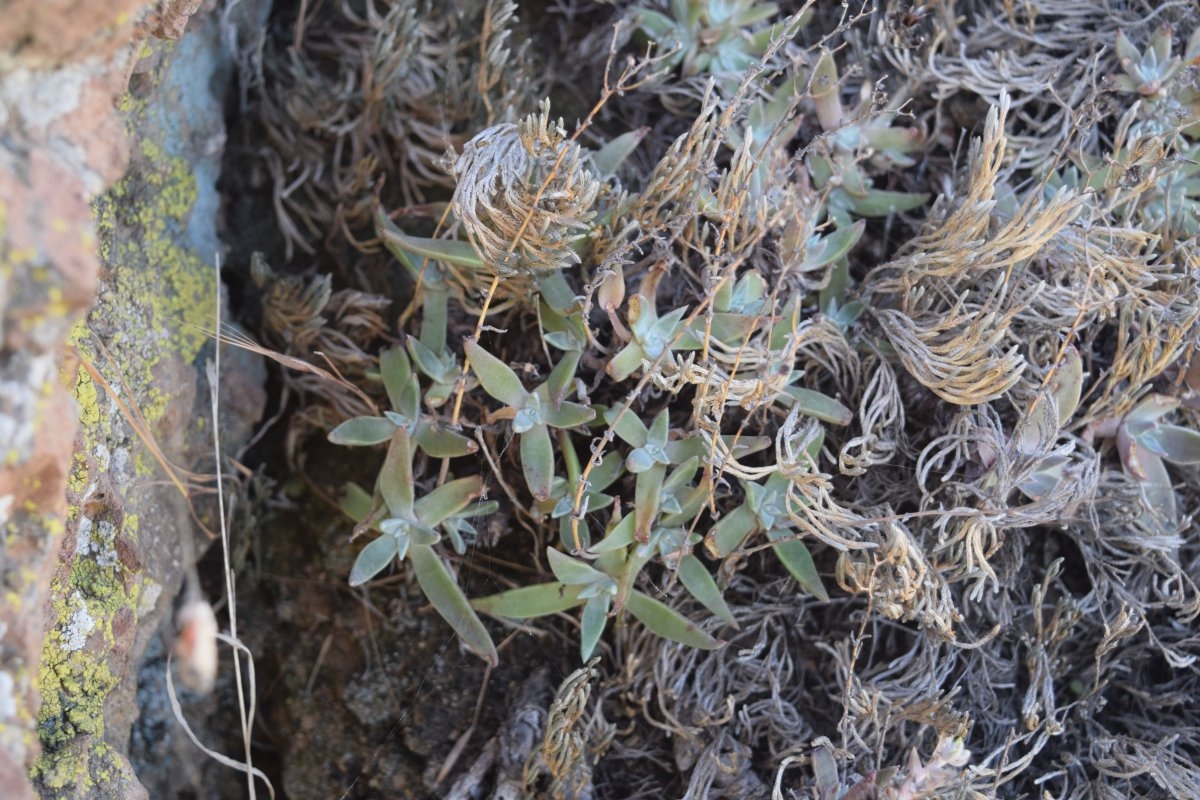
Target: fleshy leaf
x,y
530,601
447,500
537,461
618,538
356,502
880,203
557,293
497,378
430,363
1175,443
395,370
626,362
396,478
441,443
647,497
639,461
567,414
592,624
420,535
631,429
1068,386
794,555
373,559
730,531
667,623
361,431
450,251
610,157
572,571
820,406
828,249
703,587
558,382
442,591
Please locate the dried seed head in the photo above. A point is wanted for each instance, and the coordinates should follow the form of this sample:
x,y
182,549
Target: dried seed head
x,y
524,195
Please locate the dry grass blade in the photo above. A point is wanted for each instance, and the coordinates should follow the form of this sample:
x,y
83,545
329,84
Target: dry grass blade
x,y
953,356
881,417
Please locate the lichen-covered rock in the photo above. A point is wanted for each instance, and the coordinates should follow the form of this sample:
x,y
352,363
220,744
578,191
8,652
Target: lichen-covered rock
x,y
93,533
63,143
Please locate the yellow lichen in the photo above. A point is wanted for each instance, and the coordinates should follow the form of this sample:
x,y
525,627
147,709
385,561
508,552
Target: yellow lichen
x,y
87,400
159,297
77,479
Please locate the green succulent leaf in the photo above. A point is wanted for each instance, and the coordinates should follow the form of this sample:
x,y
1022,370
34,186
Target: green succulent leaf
x,y
820,406
1174,443
572,571
881,202
627,426
626,362
1049,474
557,293
1126,50
527,602
567,333
567,414
680,450
448,251
592,623
396,478
617,539
447,500
796,558
608,159
441,443
647,497
824,250
558,382
667,623
704,588
655,24
442,591
422,536
730,531
356,503
437,368
1068,386
1157,491
1146,414
395,370
362,431
639,461
537,461
497,378
824,91
373,559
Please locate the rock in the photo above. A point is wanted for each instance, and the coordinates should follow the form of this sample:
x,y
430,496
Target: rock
x,y
96,540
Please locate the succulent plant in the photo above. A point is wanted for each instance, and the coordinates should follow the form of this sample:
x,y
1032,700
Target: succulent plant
x,y
916,780
408,527
404,394
862,137
533,413
764,511
597,589
1148,72
722,38
1146,442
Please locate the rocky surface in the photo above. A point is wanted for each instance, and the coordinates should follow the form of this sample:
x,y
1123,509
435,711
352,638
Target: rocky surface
x,y
107,202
